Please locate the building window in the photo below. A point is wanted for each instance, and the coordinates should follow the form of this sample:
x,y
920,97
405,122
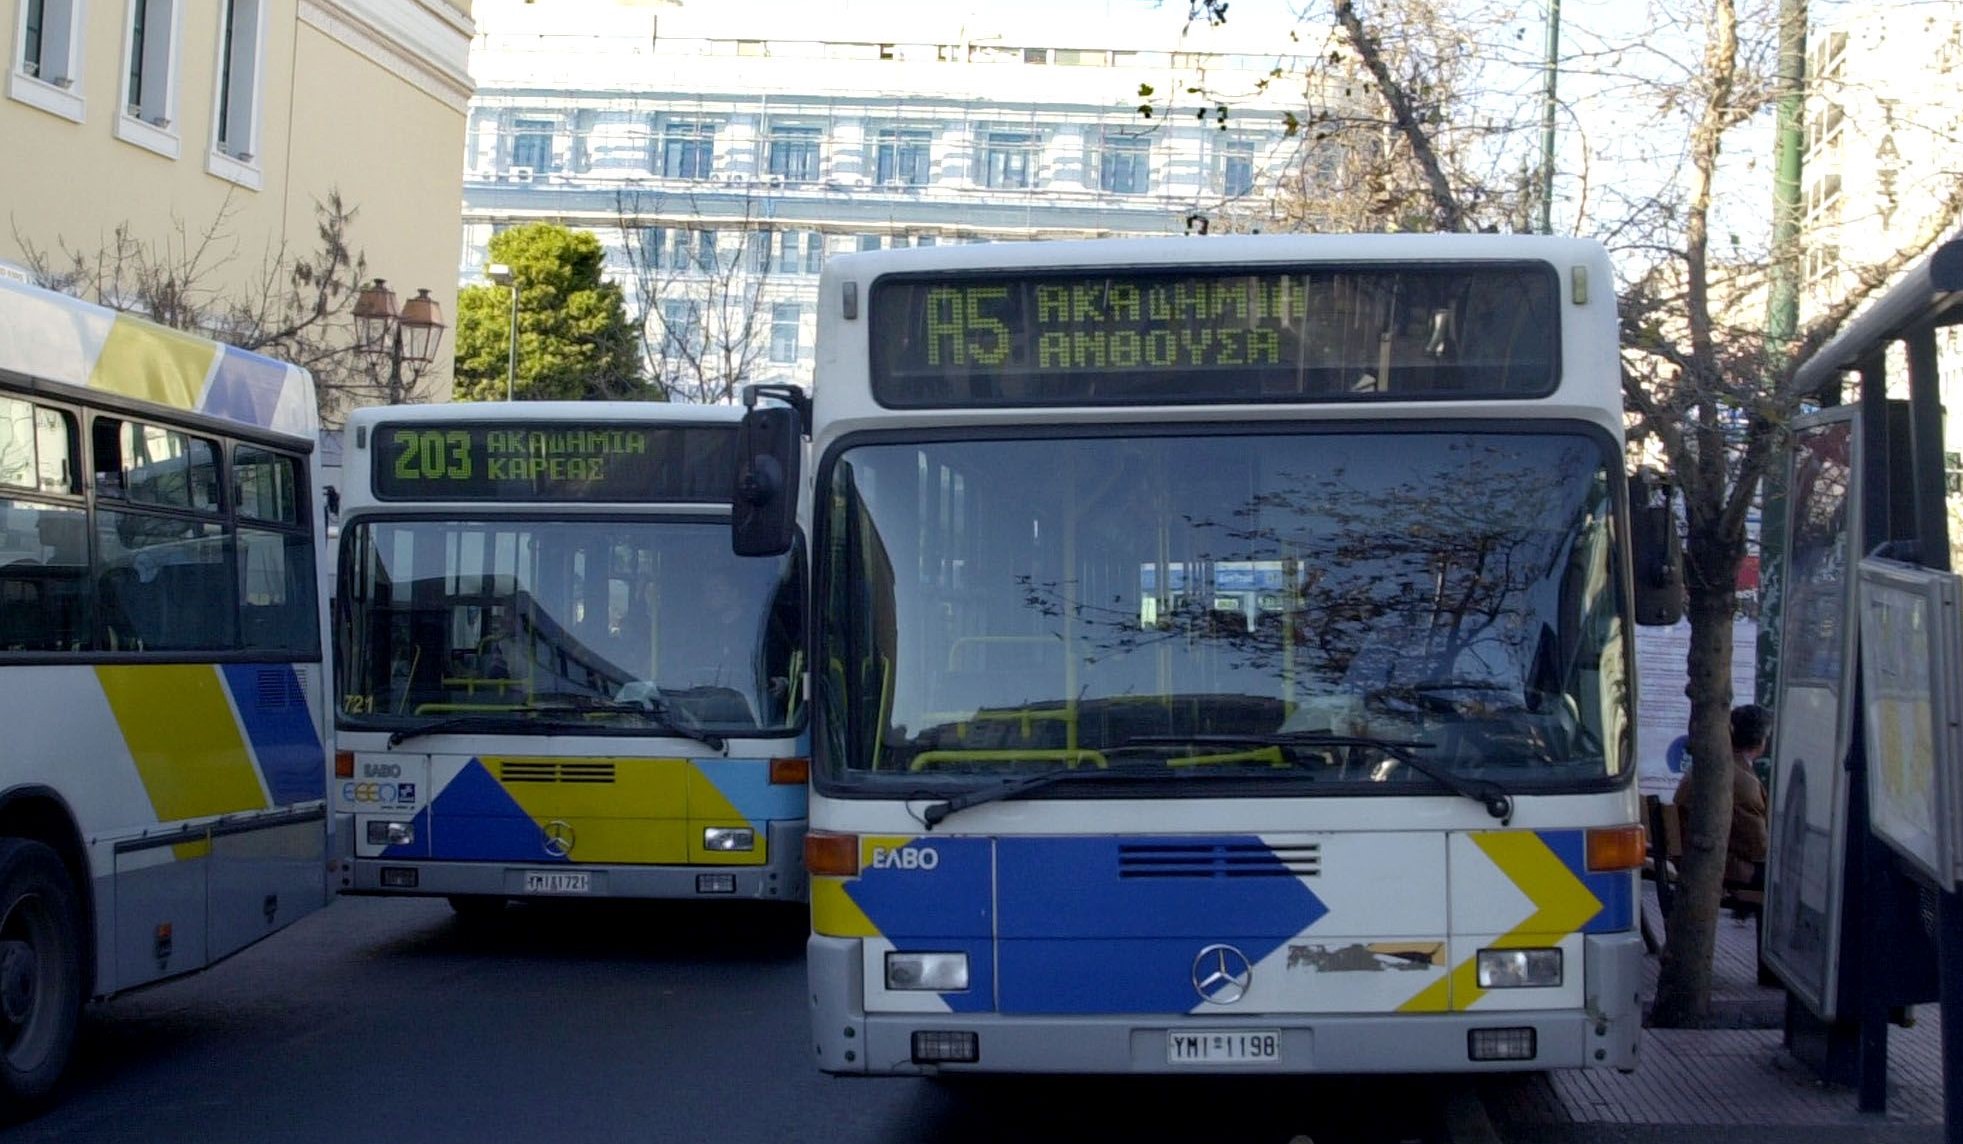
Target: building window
x,y
681,329
1036,55
814,252
794,153
705,251
868,242
760,251
1124,165
784,320
688,150
1236,168
1082,58
904,157
531,144
47,42
1009,159
678,256
150,80
925,240
238,79
653,247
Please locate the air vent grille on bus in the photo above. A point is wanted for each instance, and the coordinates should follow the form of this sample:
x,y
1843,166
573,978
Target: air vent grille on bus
x,y
279,687
1218,860
556,772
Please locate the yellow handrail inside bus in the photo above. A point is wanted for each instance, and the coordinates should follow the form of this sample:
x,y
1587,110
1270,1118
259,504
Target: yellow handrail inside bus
x,y
1070,757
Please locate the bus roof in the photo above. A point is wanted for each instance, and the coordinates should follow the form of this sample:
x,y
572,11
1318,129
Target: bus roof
x,y
673,413
1557,250
52,337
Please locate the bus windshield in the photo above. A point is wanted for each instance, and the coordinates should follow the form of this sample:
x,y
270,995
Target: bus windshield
x,y
1257,602
633,624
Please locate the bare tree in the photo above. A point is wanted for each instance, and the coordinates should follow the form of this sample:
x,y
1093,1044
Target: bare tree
x,y
703,307
295,306
1700,379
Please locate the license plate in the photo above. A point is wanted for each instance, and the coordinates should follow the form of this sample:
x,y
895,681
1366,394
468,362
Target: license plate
x,y
1223,1047
558,882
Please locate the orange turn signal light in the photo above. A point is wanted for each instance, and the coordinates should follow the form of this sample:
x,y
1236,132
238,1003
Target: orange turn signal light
x,y
344,764
835,855
1615,848
793,771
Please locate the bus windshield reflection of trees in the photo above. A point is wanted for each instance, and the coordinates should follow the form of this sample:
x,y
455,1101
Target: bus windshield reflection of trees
x,y
498,616
1009,606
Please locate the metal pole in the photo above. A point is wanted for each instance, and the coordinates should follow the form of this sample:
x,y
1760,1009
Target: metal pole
x,y
1782,318
1547,118
511,368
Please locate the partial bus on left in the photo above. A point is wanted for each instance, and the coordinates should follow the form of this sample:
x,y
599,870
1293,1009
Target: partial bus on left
x,y
161,684
554,679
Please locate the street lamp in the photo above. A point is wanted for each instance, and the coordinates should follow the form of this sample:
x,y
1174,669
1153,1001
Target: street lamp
x,y
409,335
501,274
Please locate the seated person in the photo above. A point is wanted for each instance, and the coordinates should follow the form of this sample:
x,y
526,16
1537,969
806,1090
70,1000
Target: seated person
x,y
1750,837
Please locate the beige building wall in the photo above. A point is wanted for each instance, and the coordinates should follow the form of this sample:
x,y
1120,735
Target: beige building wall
x,y
366,97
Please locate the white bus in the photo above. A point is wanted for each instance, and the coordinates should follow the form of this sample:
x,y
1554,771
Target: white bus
x,y
161,683
1221,656
555,679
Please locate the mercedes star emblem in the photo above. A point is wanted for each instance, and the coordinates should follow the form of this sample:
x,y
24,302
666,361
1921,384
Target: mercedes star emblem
x,y
558,838
1221,974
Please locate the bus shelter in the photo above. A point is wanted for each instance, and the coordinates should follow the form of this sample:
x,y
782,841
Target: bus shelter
x,y
1863,915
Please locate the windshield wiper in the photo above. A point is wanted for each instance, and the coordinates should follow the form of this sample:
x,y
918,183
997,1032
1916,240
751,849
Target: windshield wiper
x,y
1487,793
563,705
476,721
933,815
666,719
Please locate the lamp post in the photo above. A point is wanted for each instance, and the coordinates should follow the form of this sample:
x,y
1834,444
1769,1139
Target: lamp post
x,y
501,274
409,335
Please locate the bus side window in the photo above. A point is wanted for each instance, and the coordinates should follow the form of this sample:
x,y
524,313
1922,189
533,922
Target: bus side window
x,y
105,435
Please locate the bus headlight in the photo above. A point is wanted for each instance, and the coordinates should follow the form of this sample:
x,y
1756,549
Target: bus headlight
x,y
1519,968
390,833
728,839
930,972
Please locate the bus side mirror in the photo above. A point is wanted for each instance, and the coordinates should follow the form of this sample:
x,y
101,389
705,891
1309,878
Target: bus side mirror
x,y
763,505
1656,550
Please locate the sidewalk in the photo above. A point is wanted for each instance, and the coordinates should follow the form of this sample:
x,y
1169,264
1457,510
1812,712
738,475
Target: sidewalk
x,y
1736,1075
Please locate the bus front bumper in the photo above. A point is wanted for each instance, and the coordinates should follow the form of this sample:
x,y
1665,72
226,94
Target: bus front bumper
x,y
1605,1034
782,878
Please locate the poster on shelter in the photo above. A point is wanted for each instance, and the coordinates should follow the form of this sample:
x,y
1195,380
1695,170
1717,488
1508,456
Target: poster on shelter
x,y
1662,708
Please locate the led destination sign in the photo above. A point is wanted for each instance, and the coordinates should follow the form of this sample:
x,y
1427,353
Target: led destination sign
x,y
1229,335
554,461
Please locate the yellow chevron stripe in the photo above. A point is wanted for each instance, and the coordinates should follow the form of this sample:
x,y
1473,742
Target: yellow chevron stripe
x,y
709,806
185,741
1562,905
834,913
153,363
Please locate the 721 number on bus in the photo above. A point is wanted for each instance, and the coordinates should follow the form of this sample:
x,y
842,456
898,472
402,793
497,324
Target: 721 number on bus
x,y
432,455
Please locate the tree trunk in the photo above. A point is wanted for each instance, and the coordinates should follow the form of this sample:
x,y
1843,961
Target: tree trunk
x,y
1683,987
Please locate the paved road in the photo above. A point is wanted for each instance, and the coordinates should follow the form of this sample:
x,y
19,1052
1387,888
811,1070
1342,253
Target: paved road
x,y
390,1021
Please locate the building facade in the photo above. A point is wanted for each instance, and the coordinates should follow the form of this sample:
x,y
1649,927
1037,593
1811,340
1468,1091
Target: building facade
x,y
1882,167
720,162
218,125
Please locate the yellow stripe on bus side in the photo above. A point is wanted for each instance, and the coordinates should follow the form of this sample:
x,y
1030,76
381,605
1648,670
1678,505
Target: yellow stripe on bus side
x,y
187,745
153,363
1562,904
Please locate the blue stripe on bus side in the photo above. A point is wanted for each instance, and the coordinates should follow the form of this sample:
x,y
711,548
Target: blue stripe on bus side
x,y
474,818
280,727
246,387
1077,937
1616,890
